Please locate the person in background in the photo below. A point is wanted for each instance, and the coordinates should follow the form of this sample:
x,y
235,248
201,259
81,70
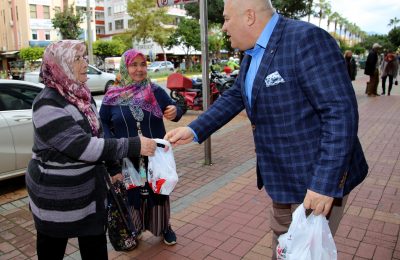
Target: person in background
x,y
389,69
66,176
350,64
371,69
232,64
137,107
303,113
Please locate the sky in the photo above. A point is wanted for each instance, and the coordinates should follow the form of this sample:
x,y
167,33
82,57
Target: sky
x,y
372,16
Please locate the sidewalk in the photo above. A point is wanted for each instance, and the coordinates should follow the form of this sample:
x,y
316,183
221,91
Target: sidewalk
x,y
218,213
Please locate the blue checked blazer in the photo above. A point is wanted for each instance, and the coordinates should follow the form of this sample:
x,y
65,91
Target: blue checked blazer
x,y
305,126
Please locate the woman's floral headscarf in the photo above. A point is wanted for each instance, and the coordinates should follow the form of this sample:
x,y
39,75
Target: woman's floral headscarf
x,y
57,72
130,93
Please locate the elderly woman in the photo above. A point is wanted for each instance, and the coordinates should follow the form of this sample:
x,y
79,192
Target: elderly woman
x,y
66,176
137,107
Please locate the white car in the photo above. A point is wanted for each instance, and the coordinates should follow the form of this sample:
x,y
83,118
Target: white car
x,y
16,130
98,81
157,66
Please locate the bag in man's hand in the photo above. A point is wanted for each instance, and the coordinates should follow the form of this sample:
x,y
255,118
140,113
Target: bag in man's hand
x,y
162,176
121,231
396,82
308,238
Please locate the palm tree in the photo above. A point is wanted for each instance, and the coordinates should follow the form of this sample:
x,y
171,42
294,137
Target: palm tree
x,y
324,10
393,22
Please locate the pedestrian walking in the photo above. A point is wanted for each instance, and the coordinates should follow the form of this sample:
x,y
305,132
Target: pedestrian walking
x,y
389,68
304,114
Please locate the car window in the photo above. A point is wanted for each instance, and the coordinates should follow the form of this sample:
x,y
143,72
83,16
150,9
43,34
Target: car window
x,y
16,97
91,70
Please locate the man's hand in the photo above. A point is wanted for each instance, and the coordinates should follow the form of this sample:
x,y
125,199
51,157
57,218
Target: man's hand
x,y
147,146
180,135
170,112
321,204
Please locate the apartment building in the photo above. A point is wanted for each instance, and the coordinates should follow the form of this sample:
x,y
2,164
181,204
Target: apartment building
x,y
25,23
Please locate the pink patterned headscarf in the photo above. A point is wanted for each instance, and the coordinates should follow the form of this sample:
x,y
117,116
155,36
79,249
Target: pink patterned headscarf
x,y
129,92
57,72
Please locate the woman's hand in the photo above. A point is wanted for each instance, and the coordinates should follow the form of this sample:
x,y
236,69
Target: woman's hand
x,y
170,112
147,146
117,177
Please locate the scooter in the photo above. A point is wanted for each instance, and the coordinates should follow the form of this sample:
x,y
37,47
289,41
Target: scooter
x,y
188,93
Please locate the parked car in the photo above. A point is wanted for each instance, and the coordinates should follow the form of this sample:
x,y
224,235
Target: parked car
x,y
98,81
16,130
157,66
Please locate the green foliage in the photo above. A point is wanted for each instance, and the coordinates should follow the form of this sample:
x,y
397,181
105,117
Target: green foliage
x,y
31,53
215,10
125,39
105,49
148,21
292,8
381,39
394,37
68,23
187,34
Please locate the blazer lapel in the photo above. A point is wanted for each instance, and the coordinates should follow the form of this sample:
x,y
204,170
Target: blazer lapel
x,y
244,67
268,56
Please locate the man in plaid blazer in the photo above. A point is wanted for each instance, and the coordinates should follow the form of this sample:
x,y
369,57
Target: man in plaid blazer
x,y
299,98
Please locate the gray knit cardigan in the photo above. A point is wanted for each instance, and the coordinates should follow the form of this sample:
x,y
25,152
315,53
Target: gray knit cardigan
x,y
65,178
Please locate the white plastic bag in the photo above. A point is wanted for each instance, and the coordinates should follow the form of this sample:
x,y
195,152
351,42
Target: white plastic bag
x,y
162,176
131,176
308,238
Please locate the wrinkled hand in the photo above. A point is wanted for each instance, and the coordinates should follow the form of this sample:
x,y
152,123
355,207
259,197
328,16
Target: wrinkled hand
x,y
180,135
117,177
170,112
147,146
321,204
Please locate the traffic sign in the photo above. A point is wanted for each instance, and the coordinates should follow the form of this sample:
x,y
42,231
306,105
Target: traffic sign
x,y
162,3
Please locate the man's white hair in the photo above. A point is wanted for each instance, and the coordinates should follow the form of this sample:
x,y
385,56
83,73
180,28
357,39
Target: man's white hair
x,y
266,3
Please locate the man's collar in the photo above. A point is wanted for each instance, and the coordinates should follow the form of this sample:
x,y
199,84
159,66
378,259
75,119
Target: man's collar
x,y
263,39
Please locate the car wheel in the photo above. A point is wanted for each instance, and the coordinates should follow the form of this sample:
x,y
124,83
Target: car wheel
x,y
108,84
155,70
171,69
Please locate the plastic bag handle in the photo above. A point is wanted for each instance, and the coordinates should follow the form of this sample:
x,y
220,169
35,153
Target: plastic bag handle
x,y
162,141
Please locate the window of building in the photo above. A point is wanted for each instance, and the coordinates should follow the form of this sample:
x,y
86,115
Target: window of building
x,y
46,12
130,23
16,11
119,24
119,8
109,11
32,9
110,26
99,16
34,35
47,35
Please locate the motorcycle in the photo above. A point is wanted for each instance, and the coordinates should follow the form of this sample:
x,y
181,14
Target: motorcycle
x,y
188,93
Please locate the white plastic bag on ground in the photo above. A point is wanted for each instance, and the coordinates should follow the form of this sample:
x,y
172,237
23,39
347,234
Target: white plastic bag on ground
x,y
308,238
162,176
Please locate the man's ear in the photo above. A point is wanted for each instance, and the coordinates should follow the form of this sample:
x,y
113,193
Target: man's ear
x,y
250,15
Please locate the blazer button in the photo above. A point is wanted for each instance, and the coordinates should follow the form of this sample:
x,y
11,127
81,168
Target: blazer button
x,y
253,127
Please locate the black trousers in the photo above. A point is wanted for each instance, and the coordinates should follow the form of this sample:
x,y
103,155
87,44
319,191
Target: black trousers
x,y
384,83
53,248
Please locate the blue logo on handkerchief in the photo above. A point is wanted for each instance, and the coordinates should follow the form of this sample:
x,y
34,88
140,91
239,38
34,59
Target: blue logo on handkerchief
x,y
273,79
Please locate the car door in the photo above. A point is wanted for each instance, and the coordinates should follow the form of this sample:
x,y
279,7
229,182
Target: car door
x,y
95,81
17,102
7,150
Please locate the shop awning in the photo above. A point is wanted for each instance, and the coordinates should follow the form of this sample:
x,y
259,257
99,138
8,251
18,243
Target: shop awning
x,y
9,53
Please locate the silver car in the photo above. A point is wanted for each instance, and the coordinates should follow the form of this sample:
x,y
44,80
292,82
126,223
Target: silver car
x,y
157,66
98,81
16,130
